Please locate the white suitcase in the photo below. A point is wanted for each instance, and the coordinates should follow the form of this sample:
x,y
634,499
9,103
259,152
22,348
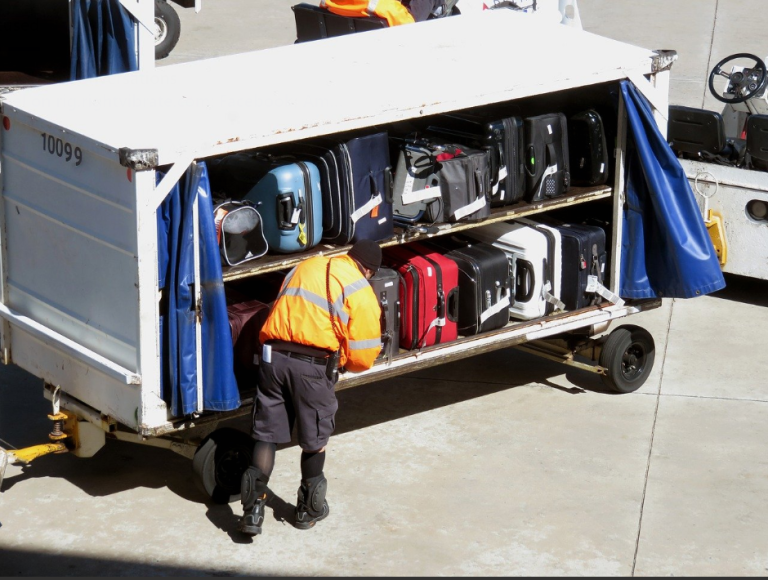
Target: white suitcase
x,y
533,254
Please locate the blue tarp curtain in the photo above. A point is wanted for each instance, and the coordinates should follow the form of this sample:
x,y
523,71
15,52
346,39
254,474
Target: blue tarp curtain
x,y
177,277
103,39
666,250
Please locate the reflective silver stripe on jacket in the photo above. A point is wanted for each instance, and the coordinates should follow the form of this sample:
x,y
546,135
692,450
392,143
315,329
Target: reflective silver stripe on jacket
x,y
319,301
372,7
365,344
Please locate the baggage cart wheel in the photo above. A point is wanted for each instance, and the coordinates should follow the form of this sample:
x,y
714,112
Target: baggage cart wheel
x,y
627,356
167,29
219,464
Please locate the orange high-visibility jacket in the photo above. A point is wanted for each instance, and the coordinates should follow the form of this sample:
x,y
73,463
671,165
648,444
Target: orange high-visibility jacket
x,y
300,313
391,10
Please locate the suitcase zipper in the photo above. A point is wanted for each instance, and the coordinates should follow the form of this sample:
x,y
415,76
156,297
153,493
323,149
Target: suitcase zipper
x,y
307,201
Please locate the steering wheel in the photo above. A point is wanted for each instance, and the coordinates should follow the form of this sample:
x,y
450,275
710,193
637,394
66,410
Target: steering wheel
x,y
744,84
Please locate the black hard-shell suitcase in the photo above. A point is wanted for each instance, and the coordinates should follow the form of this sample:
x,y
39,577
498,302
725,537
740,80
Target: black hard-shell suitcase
x,y
547,159
361,195
588,149
583,255
502,137
386,284
485,283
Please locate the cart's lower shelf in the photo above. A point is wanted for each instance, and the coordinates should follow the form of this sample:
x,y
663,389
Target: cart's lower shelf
x,y
516,332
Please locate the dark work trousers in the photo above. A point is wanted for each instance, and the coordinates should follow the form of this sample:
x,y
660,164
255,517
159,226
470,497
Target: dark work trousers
x,y
293,391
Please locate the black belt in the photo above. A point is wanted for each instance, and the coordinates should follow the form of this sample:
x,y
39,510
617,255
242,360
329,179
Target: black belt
x,y
318,360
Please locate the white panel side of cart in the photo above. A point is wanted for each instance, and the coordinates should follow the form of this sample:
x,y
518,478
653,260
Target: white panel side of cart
x,y
242,101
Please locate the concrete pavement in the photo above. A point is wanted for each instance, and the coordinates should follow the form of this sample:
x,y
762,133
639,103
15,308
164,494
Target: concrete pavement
x,y
499,465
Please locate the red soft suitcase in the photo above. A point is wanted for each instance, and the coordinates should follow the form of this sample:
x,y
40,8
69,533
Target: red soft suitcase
x,y
429,296
245,321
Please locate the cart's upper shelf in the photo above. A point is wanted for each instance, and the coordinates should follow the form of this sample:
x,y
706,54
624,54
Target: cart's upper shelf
x,y
219,105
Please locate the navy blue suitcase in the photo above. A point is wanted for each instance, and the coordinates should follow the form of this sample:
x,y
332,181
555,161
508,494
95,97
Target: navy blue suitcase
x,y
361,191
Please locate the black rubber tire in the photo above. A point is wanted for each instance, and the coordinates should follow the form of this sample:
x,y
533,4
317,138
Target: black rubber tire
x,y
219,464
627,355
168,29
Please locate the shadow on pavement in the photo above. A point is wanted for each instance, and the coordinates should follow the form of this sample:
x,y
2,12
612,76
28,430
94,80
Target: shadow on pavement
x,y
743,289
15,562
121,465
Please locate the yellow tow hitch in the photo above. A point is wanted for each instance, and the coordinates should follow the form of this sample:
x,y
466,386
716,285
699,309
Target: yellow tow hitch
x,y
63,435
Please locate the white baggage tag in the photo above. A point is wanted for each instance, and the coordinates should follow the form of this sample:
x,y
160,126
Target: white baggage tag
x,y
549,297
429,271
476,205
421,195
367,208
408,186
549,128
593,285
496,308
295,216
266,353
502,172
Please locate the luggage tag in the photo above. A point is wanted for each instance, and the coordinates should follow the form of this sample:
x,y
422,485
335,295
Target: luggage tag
x,y
375,201
473,207
549,297
593,285
410,195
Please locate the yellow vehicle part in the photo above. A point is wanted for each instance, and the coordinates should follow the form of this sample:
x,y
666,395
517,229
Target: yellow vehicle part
x,y
716,230
29,453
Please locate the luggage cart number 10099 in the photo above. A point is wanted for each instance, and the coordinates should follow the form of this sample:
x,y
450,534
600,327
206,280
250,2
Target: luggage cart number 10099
x,y
60,148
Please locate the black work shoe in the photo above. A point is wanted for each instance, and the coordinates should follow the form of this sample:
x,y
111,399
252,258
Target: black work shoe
x,y
250,523
305,520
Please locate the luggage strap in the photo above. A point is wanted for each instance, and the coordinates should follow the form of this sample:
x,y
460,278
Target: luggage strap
x,y
412,196
476,205
495,309
440,321
551,298
594,285
367,208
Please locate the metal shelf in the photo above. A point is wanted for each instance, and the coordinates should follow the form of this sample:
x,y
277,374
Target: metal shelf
x,y
273,263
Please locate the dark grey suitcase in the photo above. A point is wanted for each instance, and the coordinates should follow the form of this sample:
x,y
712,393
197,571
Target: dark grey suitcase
x,y
502,137
386,285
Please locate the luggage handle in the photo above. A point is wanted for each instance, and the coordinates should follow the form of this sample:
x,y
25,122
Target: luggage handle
x,y
389,186
494,156
384,308
453,305
441,304
525,281
285,209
